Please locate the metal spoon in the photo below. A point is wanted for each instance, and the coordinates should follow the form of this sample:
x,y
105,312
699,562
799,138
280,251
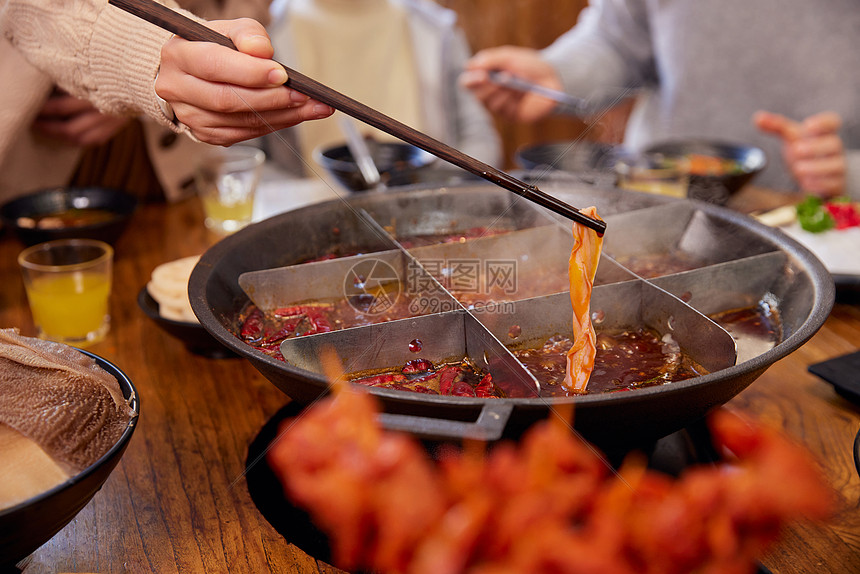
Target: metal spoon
x,y
360,153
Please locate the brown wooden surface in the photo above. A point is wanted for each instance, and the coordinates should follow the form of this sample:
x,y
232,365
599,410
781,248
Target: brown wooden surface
x,y
177,501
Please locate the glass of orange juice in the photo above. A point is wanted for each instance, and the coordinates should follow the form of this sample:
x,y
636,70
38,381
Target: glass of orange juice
x,y
226,180
68,285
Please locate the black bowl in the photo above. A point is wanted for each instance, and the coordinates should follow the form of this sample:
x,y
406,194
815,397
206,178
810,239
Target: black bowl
x,y
195,338
715,188
26,526
398,163
570,156
57,200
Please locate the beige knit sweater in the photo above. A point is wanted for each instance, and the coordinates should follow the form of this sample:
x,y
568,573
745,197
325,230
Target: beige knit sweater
x,y
94,51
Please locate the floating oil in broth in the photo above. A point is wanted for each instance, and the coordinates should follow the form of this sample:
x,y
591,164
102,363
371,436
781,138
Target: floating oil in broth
x,y
756,329
650,265
624,361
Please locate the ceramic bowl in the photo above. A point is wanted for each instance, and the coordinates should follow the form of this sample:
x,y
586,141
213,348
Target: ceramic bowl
x,y
75,212
28,525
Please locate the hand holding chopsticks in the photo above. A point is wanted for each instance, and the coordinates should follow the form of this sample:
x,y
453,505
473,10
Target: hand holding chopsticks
x,y
194,31
213,100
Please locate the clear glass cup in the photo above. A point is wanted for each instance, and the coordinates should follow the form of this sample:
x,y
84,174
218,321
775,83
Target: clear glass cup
x,y
68,285
654,173
227,181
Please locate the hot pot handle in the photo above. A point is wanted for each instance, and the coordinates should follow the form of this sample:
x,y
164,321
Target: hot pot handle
x,y
488,427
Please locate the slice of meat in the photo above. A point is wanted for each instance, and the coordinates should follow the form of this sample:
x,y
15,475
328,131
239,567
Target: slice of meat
x,y
60,399
583,265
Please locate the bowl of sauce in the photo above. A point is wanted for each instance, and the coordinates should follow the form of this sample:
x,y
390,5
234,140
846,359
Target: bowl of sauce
x,y
69,212
717,169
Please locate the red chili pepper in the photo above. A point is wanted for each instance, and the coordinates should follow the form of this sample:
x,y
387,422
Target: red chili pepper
x,y
446,379
252,327
287,328
462,389
318,319
484,389
417,366
844,214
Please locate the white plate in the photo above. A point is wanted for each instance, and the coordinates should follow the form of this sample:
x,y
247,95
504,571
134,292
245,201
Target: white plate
x,y
838,249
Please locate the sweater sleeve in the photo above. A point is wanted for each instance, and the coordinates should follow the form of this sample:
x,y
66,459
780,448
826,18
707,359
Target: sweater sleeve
x,y
608,51
91,50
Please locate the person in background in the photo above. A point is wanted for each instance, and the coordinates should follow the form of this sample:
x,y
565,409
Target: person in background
x,y
71,91
401,57
709,70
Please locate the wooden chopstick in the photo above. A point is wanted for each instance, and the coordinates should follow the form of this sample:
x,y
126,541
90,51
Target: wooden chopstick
x,y
189,29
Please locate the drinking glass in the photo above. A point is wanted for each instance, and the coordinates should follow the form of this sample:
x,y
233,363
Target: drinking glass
x,y
227,180
68,285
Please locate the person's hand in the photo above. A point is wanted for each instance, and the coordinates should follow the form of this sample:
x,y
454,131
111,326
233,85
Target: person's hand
x,y
812,148
75,121
225,96
509,103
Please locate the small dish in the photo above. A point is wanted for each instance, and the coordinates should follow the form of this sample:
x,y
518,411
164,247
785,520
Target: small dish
x,y
69,213
195,338
398,163
26,526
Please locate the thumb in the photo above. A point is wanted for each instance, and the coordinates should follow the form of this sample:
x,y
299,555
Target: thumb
x,y
249,36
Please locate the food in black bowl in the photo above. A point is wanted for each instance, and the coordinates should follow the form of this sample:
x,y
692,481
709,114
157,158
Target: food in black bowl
x,y
717,169
66,459
69,212
398,163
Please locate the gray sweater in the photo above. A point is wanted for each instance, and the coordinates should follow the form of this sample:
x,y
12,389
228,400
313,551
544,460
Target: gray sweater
x,y
701,68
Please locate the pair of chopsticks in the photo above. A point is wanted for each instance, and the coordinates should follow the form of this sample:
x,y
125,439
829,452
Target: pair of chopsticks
x,y
567,104
194,31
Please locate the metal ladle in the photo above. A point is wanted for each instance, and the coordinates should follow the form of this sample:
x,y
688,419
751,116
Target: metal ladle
x,y
360,153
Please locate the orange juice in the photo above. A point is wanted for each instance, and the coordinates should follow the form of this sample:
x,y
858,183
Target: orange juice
x,y
227,217
72,307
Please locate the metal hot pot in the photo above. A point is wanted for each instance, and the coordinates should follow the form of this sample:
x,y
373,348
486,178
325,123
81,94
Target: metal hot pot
x,y
740,263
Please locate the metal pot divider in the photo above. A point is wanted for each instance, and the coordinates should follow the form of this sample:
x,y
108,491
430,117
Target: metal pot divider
x,y
741,263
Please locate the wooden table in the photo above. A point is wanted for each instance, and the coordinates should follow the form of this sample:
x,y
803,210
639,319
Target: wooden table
x,y
178,502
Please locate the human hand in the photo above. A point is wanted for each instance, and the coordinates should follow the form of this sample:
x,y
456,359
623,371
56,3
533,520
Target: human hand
x,y
75,121
225,96
812,148
510,103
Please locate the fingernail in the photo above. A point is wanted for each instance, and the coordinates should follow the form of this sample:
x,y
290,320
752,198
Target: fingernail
x,y
298,97
322,110
277,76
